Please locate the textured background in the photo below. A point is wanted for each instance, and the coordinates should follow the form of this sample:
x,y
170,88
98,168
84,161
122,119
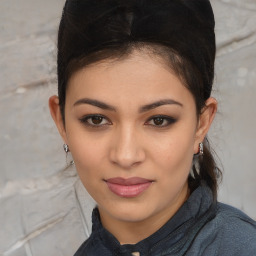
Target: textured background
x,y
44,210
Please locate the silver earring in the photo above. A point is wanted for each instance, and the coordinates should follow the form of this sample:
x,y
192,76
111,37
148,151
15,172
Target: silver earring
x,y
66,148
201,149
195,168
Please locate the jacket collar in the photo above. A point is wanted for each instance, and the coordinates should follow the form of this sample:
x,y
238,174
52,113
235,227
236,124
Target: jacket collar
x,y
174,236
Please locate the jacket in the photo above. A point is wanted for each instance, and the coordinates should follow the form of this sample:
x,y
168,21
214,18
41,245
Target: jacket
x,y
201,227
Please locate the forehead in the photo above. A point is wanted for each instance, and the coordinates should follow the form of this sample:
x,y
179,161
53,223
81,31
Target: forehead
x,y
137,78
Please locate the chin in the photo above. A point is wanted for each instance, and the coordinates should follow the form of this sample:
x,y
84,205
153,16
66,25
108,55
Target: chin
x,y
131,213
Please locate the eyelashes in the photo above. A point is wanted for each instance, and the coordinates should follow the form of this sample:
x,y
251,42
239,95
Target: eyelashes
x,y
95,121
161,121
100,121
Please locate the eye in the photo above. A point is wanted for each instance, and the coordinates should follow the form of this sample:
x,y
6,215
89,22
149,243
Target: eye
x,y
95,120
161,121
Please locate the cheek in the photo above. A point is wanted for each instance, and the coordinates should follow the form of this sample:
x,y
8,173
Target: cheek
x,y
88,153
173,160
175,164
88,161
174,149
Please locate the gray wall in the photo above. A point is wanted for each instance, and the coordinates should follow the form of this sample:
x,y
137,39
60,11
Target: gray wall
x,y
41,202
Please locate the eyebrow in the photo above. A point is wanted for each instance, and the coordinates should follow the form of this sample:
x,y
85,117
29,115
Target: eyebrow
x,y
95,103
158,104
143,108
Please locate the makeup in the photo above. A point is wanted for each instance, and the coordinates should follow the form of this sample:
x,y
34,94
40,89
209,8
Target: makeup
x,y
128,188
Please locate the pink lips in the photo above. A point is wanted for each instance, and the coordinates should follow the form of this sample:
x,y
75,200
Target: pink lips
x,y
131,187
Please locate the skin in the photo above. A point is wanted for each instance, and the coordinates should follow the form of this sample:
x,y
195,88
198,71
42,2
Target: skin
x,y
129,141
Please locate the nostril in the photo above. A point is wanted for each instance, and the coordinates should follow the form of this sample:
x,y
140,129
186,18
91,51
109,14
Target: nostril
x,y
127,159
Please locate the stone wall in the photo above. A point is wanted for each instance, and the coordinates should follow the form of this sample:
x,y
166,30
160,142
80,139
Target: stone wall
x,y
44,209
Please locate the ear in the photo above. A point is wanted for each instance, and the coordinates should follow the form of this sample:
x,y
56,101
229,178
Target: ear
x,y
205,120
56,116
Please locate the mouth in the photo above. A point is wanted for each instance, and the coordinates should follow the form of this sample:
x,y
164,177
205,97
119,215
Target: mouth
x,y
128,188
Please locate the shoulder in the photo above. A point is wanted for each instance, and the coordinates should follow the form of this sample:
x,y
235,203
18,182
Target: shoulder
x,y
231,232
233,219
237,230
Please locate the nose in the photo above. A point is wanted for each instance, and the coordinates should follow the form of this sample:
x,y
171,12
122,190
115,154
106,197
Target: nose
x,y
126,148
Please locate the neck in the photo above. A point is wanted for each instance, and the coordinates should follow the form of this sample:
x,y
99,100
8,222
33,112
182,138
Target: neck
x,y
132,232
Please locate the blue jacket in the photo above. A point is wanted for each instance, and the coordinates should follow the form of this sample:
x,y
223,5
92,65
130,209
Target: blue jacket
x,y
201,227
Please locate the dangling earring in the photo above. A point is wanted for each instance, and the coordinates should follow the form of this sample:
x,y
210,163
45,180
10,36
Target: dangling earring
x,y
66,149
195,168
200,150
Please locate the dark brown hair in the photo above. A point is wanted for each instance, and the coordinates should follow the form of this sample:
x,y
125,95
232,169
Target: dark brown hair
x,y
179,31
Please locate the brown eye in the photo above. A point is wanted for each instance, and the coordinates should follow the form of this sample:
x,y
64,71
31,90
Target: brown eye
x,y
161,121
96,120
158,121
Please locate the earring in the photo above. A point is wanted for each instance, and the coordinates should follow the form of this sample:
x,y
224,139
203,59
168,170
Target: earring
x,y
66,148
195,168
201,149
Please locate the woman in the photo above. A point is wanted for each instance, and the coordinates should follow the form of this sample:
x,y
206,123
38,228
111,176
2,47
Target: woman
x,y
134,108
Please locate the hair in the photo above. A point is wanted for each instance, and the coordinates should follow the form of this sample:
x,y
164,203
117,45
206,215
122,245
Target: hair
x,y
181,32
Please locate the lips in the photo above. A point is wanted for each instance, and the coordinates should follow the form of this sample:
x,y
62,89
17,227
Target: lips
x,y
128,188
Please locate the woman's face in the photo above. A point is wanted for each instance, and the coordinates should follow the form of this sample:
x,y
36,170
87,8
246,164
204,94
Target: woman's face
x,y
132,129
